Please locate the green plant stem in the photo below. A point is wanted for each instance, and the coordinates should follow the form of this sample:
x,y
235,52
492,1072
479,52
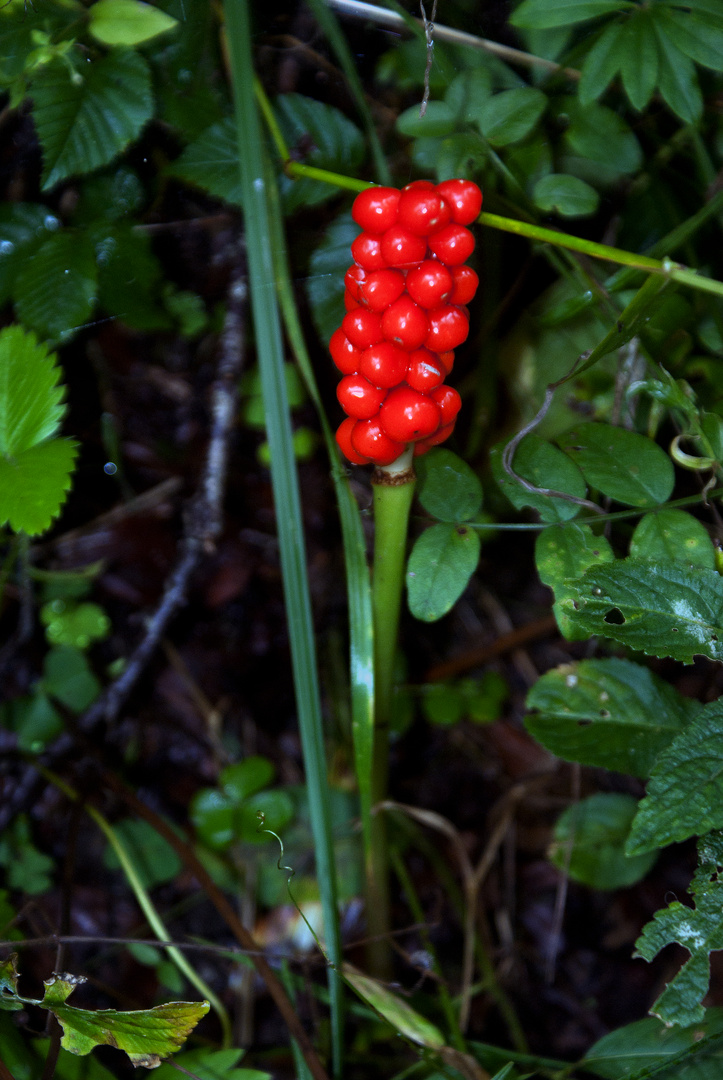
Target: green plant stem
x,y
145,903
393,494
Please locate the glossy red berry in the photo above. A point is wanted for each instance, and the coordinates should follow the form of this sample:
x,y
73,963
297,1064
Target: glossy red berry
x,y
424,371
362,327
345,355
353,278
350,301
440,436
358,398
449,402
343,438
402,248
464,199
366,250
452,245
447,359
448,328
465,282
381,288
408,415
430,284
422,210
405,323
370,440
384,365
375,209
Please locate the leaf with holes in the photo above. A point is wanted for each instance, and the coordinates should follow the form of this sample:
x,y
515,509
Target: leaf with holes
x,y
621,464
85,119
608,713
442,561
564,552
662,609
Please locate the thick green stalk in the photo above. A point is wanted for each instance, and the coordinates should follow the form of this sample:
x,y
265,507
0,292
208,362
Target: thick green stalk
x,y
284,476
393,494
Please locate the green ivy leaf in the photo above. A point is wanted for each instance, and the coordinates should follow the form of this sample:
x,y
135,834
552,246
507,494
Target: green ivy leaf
x,y
325,283
698,929
685,794
565,195
448,488
589,842
34,484
542,15
647,1046
31,398
509,116
639,58
55,290
563,553
440,565
677,79
541,464
671,535
601,64
608,713
320,135
623,465
86,120
127,22
662,609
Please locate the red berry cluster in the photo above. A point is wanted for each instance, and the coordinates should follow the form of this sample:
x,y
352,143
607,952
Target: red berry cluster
x,y
405,300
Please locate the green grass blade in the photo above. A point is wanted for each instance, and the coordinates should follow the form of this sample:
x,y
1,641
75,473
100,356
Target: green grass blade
x,y
285,483
359,594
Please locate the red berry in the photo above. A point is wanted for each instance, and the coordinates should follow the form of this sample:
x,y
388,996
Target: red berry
x,y
449,403
407,415
424,371
420,185
375,209
366,250
402,248
405,323
448,328
350,302
353,278
371,441
362,327
345,355
465,282
422,210
452,245
430,284
381,288
343,438
440,435
358,398
447,360
383,365
464,199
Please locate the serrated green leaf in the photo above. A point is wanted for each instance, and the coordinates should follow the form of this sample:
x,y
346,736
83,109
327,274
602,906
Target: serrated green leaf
x,y
30,395
541,464
438,119
67,677
509,116
649,1045
696,36
55,290
542,15
127,22
672,535
662,609
319,135
34,485
621,464
677,80
211,162
441,563
608,713
448,488
638,58
565,195
325,284
589,842
23,228
699,930
84,123
397,1012
601,64
603,138
563,553
685,794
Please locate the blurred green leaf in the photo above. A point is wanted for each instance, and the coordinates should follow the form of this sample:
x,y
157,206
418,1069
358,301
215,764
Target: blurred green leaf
x,y
677,79
589,842
691,1053
325,284
439,119
565,195
127,22
26,868
211,162
78,625
695,35
67,677
448,488
511,115
601,64
55,290
639,58
542,15
23,228
245,778
153,858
